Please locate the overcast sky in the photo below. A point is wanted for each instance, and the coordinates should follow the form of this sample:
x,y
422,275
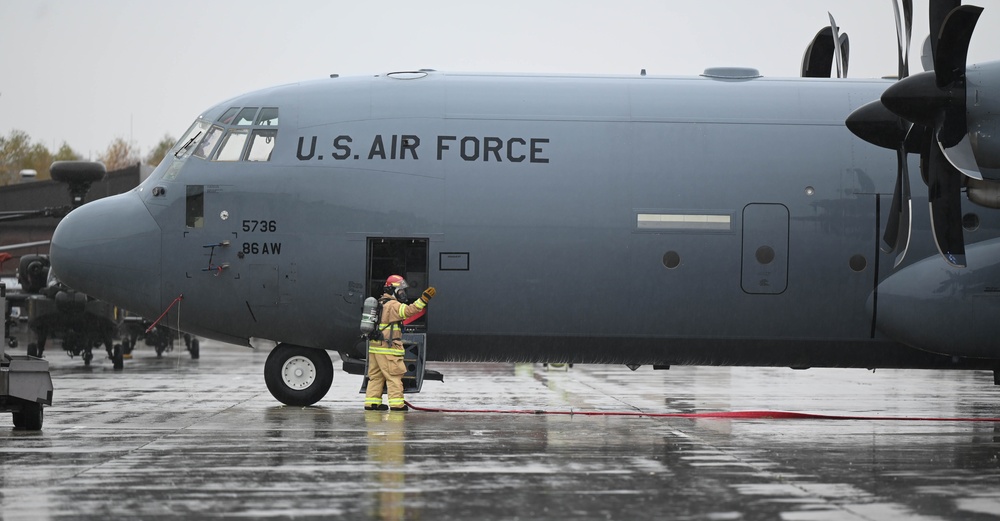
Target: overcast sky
x,y
87,71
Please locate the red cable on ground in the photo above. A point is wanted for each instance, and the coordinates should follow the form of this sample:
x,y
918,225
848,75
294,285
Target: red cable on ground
x,y
731,415
157,321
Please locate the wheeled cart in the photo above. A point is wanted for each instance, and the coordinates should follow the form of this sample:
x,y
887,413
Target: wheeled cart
x,y
25,382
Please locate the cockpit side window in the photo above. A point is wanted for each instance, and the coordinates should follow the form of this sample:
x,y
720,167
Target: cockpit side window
x,y
268,117
232,145
227,117
261,145
246,117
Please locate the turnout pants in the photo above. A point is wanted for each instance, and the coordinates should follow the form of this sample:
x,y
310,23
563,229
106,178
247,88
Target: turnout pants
x,y
385,371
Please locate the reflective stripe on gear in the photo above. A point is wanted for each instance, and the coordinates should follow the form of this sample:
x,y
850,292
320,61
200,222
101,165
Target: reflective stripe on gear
x,y
396,402
373,401
379,347
418,304
378,350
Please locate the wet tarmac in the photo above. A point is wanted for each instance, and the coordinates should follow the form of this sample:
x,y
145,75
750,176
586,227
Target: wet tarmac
x,y
181,438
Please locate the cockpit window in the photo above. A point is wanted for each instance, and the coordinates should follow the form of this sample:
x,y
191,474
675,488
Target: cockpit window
x,y
240,134
227,117
232,145
211,138
184,147
268,117
261,145
246,117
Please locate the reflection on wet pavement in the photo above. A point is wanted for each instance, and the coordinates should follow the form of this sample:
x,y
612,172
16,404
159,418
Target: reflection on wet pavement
x,y
203,438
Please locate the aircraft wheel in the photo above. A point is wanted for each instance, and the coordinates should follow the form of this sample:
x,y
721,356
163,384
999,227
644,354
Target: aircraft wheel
x,y
194,349
18,420
117,357
87,357
31,417
298,375
33,349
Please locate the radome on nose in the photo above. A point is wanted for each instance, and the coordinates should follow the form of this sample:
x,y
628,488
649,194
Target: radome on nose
x,y
110,250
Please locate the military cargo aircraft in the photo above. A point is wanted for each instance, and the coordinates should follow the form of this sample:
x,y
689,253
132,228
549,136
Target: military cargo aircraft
x,y
724,219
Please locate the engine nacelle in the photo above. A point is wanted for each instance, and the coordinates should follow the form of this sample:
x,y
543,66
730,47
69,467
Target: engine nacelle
x,y
939,308
983,112
984,193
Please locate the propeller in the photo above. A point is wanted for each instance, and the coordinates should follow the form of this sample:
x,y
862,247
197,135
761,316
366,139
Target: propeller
x,y
826,48
931,106
876,124
935,101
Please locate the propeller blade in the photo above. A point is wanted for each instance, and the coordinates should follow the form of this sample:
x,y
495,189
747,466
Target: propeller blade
x,y
944,194
906,210
962,158
838,57
949,71
953,46
925,152
903,27
897,230
891,234
818,59
939,10
845,51
927,55
917,139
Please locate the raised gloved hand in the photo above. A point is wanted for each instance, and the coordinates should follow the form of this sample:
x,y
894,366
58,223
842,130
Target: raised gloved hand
x,y
427,295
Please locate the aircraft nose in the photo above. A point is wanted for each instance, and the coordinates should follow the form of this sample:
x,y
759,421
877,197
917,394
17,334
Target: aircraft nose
x,y
110,249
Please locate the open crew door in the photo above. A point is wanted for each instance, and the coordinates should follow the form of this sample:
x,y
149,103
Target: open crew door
x,y
406,257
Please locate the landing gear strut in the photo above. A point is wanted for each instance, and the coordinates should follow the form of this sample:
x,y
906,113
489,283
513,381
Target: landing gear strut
x,y
297,375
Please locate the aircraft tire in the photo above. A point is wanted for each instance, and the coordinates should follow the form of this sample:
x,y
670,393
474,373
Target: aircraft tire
x,y
31,417
195,351
117,357
298,376
18,420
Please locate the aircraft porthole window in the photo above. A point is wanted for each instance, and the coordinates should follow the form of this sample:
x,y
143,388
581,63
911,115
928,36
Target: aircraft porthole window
x,y
671,260
970,222
858,263
765,255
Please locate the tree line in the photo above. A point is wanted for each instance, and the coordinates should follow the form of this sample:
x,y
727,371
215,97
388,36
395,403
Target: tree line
x,y
18,152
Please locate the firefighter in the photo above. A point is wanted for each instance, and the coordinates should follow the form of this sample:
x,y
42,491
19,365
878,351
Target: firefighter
x,y
385,353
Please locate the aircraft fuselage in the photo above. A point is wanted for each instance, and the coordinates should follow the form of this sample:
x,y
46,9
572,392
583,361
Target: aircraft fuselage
x,y
635,220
